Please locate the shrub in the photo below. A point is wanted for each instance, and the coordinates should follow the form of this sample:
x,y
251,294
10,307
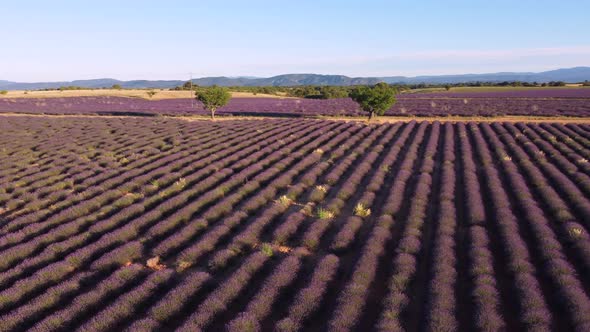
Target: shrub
x,y
324,213
285,201
267,249
361,211
318,193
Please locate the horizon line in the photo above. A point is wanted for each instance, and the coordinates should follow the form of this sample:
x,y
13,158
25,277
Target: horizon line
x,y
253,77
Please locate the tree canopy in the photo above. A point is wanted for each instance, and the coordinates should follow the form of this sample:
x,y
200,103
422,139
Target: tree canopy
x,y
213,98
374,100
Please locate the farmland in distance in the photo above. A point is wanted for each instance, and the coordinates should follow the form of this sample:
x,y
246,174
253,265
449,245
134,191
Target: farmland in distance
x,y
161,224
567,102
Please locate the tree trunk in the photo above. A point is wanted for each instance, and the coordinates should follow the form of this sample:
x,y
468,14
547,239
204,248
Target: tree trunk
x,y
371,116
212,114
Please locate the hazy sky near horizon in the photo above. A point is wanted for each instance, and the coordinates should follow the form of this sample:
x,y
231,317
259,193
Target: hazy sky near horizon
x,y
66,40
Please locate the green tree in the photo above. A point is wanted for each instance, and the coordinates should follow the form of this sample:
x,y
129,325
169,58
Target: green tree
x,y
213,98
447,87
116,86
3,92
330,92
374,100
188,85
151,93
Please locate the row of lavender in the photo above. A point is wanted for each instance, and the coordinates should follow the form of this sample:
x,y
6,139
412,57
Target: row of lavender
x,y
293,225
407,105
534,93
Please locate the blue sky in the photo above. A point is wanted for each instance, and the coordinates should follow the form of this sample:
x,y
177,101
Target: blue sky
x,y
66,40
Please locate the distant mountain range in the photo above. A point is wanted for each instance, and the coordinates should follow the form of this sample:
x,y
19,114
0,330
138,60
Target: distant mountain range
x,y
571,75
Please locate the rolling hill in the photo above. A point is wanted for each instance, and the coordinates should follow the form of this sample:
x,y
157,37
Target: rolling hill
x,y
576,74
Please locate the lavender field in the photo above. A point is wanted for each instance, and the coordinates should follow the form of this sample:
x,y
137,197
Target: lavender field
x,y
555,103
160,224
531,93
